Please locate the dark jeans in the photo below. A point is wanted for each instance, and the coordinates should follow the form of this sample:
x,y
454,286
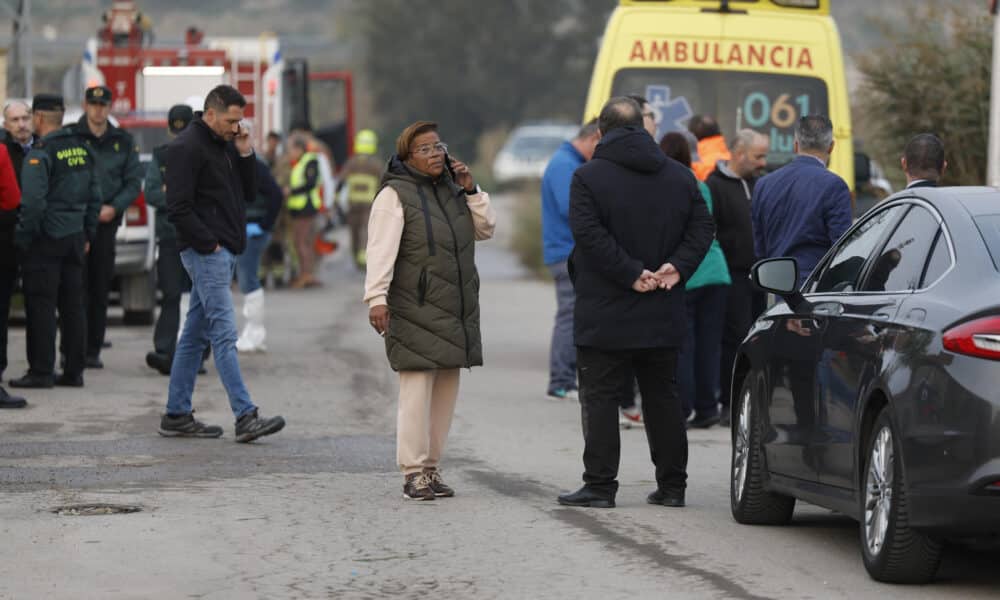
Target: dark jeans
x,y
743,306
99,271
698,364
562,353
173,281
8,277
603,373
53,276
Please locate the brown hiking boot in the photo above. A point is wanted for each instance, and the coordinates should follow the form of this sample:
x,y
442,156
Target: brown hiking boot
x,y
437,485
417,487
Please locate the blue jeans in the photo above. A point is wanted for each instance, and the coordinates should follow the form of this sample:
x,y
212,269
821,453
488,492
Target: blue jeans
x,y
698,362
248,263
210,319
562,354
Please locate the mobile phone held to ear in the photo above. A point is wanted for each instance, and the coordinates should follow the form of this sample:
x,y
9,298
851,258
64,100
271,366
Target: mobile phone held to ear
x,y
451,170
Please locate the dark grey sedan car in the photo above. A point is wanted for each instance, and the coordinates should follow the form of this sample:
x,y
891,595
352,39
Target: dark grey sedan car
x,y
875,389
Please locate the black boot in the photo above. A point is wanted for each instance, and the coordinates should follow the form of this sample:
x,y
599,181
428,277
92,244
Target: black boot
x,y
8,401
588,497
32,380
672,498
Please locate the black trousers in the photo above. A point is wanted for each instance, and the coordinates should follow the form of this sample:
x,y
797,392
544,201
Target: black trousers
x,y
52,271
99,271
173,281
8,277
602,376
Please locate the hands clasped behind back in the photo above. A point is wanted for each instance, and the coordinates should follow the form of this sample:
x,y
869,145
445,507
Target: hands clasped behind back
x,y
665,278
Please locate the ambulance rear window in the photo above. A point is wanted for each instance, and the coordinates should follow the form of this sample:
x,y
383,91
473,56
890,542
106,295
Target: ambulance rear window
x,y
768,103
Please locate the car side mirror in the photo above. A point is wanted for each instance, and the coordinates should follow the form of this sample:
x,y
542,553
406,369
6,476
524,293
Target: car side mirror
x,y
779,276
776,275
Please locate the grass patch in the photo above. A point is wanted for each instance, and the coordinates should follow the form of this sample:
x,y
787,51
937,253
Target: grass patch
x,y
527,239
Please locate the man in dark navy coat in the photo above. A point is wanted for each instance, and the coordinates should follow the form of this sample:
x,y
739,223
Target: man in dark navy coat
x,y
803,208
923,161
641,228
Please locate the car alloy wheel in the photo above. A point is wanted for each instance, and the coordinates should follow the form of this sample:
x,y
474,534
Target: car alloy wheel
x,y
892,550
878,490
741,446
751,501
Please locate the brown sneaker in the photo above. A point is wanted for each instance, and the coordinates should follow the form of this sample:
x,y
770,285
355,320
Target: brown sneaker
x,y
417,487
437,485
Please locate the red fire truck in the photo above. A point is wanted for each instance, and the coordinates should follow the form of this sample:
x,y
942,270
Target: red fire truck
x,y
147,78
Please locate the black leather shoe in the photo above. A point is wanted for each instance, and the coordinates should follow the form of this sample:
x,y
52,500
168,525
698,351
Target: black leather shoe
x,y
8,401
672,498
160,362
66,380
30,380
588,497
93,362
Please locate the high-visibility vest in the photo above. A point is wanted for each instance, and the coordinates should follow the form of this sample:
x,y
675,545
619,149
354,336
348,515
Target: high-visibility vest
x,y
297,179
361,188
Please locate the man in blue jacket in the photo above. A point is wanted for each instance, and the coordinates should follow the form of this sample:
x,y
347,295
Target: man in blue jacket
x,y
802,209
557,243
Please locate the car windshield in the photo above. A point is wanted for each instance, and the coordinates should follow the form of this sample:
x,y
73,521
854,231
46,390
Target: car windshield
x,y
770,104
989,227
534,147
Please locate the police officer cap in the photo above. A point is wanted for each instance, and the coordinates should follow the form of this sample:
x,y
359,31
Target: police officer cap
x,y
53,102
179,117
99,94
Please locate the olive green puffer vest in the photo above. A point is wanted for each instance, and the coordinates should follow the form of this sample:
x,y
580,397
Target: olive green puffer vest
x,y
434,295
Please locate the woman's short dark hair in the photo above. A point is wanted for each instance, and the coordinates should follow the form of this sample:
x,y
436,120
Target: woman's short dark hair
x,y
405,139
222,97
676,146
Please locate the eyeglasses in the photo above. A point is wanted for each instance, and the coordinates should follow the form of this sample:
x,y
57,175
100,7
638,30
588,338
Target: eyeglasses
x,y
429,149
649,115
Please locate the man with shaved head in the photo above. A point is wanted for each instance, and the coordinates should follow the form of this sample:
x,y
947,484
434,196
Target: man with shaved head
x,y
731,184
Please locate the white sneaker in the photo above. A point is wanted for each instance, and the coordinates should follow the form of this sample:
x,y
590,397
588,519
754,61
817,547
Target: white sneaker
x,y
630,417
561,394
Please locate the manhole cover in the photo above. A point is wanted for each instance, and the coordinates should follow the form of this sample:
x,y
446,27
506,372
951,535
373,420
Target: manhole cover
x,y
89,510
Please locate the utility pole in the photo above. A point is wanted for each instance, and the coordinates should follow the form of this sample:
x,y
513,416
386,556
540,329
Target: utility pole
x,y
20,80
993,149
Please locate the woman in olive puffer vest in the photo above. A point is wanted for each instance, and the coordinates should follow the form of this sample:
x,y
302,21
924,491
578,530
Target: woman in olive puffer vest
x,y
422,289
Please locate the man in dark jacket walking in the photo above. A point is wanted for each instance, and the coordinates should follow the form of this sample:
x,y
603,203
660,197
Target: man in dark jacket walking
x,y
210,181
731,184
641,229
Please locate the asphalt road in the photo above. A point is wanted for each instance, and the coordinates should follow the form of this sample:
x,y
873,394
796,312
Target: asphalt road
x,y
316,511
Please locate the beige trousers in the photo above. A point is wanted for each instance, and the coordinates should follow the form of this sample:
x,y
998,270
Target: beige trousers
x,y
426,405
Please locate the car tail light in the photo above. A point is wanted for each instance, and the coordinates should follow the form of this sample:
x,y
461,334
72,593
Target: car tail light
x,y
135,214
975,338
994,487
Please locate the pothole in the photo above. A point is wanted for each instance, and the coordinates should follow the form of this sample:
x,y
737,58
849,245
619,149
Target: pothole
x,y
92,510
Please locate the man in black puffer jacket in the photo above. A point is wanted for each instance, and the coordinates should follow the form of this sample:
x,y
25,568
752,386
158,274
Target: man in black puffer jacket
x,y
641,228
210,180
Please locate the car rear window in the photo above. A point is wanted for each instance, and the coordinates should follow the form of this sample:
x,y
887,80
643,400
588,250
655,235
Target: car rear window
x,y
989,227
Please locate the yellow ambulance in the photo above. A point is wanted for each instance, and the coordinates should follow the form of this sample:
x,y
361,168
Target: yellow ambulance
x,y
758,64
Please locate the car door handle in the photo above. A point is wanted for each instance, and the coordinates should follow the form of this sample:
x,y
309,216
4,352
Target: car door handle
x,y
828,309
